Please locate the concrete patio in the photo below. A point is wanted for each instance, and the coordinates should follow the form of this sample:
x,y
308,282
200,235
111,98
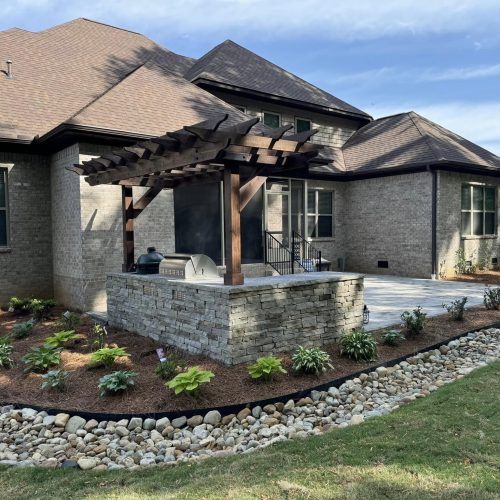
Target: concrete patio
x,y
388,296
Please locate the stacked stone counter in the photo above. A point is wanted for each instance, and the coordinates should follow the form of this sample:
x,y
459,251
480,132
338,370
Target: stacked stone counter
x,y
237,324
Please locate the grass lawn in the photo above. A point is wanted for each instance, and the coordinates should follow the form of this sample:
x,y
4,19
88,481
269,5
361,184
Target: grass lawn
x,y
443,446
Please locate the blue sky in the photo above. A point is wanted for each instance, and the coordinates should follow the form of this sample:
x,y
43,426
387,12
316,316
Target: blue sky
x,y
440,58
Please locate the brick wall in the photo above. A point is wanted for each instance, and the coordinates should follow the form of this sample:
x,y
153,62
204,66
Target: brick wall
x,y
237,324
26,264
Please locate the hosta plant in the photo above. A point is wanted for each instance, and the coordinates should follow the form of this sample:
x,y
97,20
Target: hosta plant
x,y
456,308
55,379
414,321
6,360
264,368
116,382
40,359
311,360
17,305
358,345
392,337
190,381
492,298
108,355
60,339
23,329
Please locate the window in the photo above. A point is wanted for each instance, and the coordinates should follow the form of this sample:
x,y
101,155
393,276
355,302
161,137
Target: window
x,y
272,120
241,108
302,125
478,210
3,207
319,213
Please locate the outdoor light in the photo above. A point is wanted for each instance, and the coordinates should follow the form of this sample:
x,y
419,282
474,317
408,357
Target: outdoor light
x,y
366,315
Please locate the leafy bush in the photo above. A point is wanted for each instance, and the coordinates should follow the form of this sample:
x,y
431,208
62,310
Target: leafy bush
x,y
17,305
116,382
22,330
464,264
6,360
69,320
40,359
264,368
41,307
414,321
456,308
311,360
60,339
55,379
169,368
392,337
108,355
99,334
358,345
190,381
492,298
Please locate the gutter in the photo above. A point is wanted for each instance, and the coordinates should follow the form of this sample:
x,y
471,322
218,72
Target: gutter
x,y
434,173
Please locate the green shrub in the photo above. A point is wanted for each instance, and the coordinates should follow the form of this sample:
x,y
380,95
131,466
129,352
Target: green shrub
x,y
311,360
17,305
169,368
264,368
392,337
358,345
116,382
464,264
190,381
41,307
22,330
60,339
492,298
55,379
456,308
69,320
6,360
40,359
98,335
414,321
108,355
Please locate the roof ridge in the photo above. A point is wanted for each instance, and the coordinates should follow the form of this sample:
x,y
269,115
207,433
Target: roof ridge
x,y
86,19
436,151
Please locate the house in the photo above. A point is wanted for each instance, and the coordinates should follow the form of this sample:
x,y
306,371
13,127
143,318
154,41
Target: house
x,y
398,195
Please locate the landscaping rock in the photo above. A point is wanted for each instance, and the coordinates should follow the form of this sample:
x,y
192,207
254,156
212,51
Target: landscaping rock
x,y
61,420
212,417
74,423
242,414
149,424
91,425
179,422
134,423
195,420
88,463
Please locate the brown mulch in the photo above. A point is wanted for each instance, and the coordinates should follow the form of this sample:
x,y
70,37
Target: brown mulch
x,y
486,277
231,385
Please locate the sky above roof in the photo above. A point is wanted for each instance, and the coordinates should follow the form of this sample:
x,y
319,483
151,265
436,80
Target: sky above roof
x,y
440,58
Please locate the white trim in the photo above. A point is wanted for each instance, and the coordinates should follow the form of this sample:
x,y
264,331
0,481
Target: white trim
x,y
295,118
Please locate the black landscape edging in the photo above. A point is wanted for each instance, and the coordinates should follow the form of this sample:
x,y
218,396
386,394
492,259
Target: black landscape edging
x,y
229,409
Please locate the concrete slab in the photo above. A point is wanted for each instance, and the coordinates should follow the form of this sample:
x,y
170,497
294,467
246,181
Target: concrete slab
x,y
388,296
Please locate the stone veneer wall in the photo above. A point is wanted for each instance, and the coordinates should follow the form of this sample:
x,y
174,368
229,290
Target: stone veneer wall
x,y
237,324
26,263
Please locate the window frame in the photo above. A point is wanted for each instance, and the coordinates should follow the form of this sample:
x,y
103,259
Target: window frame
x,y
483,211
316,213
304,120
271,113
5,173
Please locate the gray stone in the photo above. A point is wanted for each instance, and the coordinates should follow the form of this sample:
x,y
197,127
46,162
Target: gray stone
x,y
195,420
88,463
61,420
122,431
149,424
213,418
179,422
134,423
91,425
74,423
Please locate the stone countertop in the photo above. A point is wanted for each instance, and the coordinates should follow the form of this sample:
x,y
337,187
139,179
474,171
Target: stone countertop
x,y
267,282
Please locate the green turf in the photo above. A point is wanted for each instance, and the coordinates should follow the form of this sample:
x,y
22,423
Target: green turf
x,y
443,446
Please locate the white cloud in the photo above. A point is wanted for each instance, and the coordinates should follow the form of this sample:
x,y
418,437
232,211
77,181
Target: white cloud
x,y
479,123
466,73
341,20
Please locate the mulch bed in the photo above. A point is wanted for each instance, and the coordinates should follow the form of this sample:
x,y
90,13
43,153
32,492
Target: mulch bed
x,y
486,277
231,385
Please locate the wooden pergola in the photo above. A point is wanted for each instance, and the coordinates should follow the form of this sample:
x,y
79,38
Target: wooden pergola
x,y
202,153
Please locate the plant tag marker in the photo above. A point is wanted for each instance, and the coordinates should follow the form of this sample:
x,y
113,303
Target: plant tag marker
x,y
161,355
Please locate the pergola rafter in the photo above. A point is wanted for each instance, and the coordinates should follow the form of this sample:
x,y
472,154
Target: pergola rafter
x,y
201,153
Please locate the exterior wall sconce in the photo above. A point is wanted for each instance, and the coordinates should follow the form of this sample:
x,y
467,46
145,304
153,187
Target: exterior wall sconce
x,y
366,315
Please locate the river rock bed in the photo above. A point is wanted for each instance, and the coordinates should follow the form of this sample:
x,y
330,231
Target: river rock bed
x,y
30,438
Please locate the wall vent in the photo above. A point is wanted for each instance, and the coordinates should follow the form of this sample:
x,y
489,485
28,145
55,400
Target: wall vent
x,y
494,261
383,264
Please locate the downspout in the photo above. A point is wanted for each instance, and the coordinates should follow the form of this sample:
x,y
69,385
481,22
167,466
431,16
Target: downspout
x,y
434,273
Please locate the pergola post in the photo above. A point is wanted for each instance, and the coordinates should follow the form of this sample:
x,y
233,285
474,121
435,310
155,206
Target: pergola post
x,y
232,227
128,228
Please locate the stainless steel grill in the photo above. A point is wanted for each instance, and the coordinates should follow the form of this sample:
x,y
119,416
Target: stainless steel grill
x,y
186,266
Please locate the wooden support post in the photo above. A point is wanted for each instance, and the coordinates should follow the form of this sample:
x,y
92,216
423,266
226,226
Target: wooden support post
x,y
128,229
232,228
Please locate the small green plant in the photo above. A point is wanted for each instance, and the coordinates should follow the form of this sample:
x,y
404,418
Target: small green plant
x,y
60,339
22,330
40,359
108,355
414,321
168,369
41,307
190,381
456,308
99,334
392,337
464,265
311,360
358,345
264,368
6,360
116,382
69,320
491,298
55,379
17,305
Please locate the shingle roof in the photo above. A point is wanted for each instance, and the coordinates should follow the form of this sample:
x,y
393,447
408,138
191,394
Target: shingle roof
x,y
231,64
410,139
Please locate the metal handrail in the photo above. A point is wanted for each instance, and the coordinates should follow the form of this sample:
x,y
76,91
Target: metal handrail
x,y
305,254
278,255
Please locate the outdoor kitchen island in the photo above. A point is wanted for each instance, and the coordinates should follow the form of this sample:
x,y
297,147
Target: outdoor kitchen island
x,y
237,324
